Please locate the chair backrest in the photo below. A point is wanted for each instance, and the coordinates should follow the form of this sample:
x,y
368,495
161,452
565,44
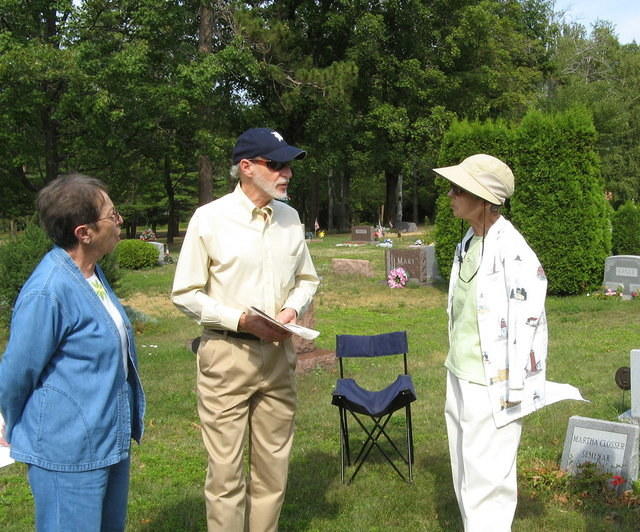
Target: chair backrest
x,y
378,345
350,345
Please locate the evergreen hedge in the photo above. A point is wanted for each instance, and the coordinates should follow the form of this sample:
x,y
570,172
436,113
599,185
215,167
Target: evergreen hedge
x,y
626,230
463,139
558,204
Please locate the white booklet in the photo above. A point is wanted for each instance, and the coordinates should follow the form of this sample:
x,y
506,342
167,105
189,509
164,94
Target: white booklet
x,y
294,328
5,459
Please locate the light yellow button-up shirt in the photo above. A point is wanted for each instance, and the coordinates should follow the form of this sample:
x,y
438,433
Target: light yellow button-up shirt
x,y
235,256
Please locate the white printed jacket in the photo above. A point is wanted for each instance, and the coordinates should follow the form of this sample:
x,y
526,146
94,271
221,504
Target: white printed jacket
x,y
511,288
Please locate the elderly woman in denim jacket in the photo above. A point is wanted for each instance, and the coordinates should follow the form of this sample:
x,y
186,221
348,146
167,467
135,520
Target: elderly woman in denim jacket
x,y
70,391
497,345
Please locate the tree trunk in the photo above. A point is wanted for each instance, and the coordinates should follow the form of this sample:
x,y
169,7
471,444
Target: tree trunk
x,y
205,179
51,90
205,46
414,199
172,223
330,200
343,211
398,196
315,204
391,203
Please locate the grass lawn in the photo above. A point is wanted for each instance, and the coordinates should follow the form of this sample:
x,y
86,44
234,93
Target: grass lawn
x,y
589,339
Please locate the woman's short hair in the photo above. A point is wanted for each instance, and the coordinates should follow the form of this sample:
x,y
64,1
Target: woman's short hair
x,y
67,202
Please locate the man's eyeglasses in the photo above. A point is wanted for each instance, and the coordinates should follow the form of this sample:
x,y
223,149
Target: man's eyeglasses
x,y
272,165
115,216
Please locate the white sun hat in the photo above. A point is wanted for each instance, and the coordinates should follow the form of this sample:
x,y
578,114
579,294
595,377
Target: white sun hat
x,y
482,175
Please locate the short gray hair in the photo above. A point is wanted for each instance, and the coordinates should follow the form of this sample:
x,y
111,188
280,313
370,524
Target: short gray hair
x,y
69,201
234,172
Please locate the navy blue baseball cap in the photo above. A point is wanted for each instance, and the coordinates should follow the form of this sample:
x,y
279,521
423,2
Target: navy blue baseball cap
x,y
267,143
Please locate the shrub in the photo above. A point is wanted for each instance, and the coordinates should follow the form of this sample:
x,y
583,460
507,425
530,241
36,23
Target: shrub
x,y
462,140
136,254
559,202
21,254
109,265
626,230
18,257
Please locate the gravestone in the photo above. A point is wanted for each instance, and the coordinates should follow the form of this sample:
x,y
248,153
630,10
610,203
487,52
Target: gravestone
x,y
418,261
610,445
308,319
352,267
407,227
634,356
362,233
622,271
309,357
163,251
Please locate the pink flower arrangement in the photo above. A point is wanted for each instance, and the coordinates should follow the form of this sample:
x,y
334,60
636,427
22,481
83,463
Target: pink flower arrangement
x,y
612,292
397,278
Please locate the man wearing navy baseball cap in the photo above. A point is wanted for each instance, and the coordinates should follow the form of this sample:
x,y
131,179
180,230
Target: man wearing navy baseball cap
x,y
266,143
240,251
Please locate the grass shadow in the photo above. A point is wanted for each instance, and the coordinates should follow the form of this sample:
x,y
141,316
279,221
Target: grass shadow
x,y
310,480
445,502
186,515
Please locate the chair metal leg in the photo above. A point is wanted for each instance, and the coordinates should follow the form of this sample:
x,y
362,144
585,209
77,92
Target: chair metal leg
x,y
377,430
409,442
345,459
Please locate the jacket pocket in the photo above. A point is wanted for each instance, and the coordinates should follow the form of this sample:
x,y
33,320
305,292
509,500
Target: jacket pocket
x,y
61,430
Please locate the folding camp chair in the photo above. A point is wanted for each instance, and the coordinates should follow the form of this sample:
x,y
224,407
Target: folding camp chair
x,y
377,406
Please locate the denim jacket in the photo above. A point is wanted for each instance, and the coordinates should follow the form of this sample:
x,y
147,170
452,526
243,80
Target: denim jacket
x,y
63,390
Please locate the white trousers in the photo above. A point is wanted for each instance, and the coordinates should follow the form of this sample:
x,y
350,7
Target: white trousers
x,y
483,458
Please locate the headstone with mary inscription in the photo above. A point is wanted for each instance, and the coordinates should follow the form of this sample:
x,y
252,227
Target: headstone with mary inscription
x,y
622,272
611,446
418,261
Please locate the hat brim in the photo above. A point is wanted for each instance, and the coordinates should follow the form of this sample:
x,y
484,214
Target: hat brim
x,y
459,176
285,154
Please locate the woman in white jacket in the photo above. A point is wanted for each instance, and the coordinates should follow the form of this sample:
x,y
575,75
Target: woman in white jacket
x,y
498,344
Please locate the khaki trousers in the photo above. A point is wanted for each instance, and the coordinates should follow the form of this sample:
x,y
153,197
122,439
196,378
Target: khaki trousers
x,y
245,388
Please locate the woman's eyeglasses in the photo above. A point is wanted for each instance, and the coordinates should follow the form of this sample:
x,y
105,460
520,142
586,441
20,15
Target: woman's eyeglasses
x,y
115,216
272,165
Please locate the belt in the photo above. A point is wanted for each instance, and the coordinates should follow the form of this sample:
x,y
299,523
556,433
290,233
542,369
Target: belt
x,y
238,335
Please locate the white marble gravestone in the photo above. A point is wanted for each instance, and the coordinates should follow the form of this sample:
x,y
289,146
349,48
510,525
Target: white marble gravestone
x,y
634,356
610,445
163,251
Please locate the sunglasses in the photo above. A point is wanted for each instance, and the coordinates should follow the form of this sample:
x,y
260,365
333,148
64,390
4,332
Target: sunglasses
x,y
271,165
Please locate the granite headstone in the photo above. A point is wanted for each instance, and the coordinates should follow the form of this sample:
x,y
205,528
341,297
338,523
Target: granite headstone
x,y
362,233
622,271
610,445
418,261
